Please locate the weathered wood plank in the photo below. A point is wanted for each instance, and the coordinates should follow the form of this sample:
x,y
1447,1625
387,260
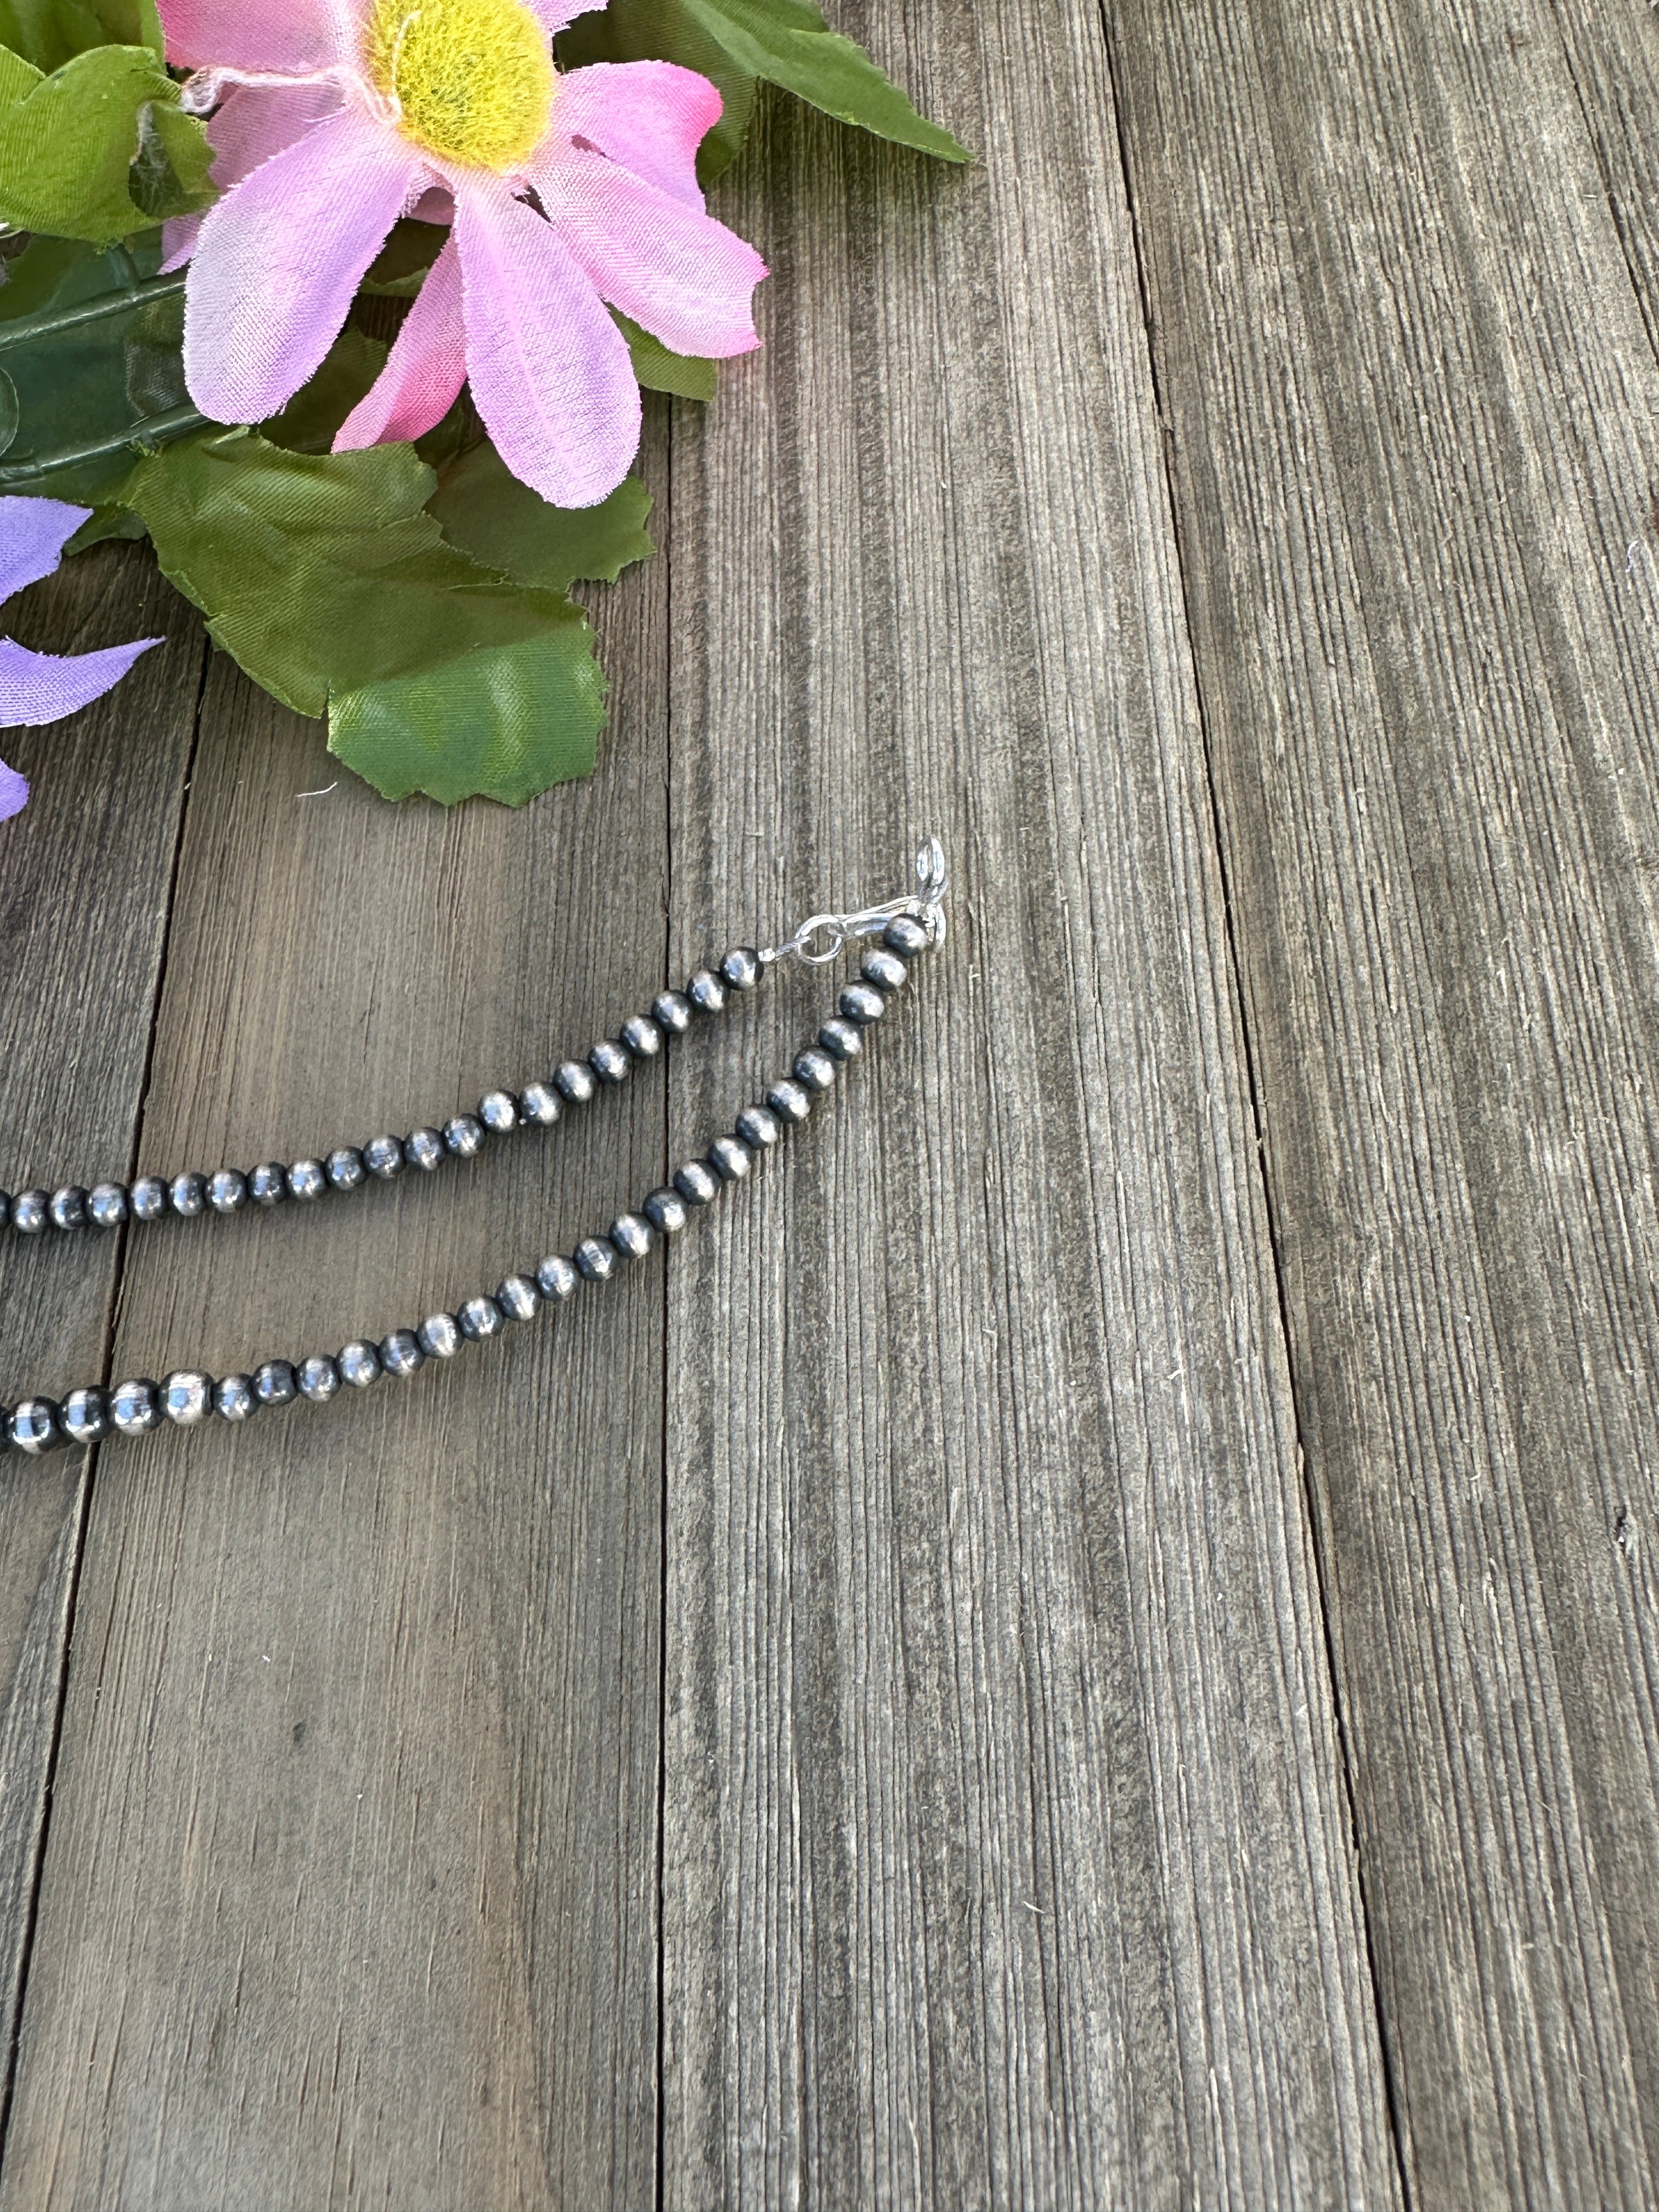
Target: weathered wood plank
x,y
1413,419
1006,1858
84,878
351,1892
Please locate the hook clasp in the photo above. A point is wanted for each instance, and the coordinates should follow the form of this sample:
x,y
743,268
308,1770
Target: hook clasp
x,y
825,936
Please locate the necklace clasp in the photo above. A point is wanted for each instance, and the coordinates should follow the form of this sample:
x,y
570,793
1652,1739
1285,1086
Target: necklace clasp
x,y
825,936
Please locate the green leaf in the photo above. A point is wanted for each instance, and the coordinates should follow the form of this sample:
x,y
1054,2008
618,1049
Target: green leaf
x,y
484,509
49,33
69,141
788,43
686,375
664,30
323,577
309,422
399,271
504,722
320,572
733,42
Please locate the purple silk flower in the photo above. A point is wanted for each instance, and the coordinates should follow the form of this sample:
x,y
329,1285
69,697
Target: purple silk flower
x,y
44,687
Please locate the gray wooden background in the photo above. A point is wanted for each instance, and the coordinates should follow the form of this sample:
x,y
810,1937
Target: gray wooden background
x,y
1091,1640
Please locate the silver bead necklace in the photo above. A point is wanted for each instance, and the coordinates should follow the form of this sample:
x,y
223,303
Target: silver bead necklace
x,y
906,927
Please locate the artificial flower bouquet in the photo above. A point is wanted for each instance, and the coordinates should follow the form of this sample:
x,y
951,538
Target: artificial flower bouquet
x,y
198,196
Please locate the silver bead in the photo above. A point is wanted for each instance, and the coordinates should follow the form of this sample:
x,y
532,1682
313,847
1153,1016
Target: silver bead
x,y
226,1191
641,1036
557,1278
631,1236
480,1318
188,1194
596,1259
498,1111
268,1184
68,1208
672,1013
609,1062
841,1040
359,1363
107,1205
697,1183
234,1399
401,1353
666,1210
741,967
135,1407
464,1136
276,1383
539,1103
35,1427
30,1212
905,936
574,1081
759,1128
345,1168
147,1199
518,1298
706,992
320,1378
85,1416
306,1180
731,1159
789,1102
863,1004
814,1069
423,1148
883,968
384,1158
439,1336
187,1397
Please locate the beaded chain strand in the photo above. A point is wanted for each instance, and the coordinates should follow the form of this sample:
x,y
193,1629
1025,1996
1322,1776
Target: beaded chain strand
x,y
906,927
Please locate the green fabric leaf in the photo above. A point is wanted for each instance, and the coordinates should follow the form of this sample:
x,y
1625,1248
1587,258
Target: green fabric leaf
x,y
788,43
69,141
49,33
504,722
310,421
484,508
686,375
320,571
399,271
664,30
324,578
733,42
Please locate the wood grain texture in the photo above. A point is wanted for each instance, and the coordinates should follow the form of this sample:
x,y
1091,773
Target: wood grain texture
x,y
1005,1854
1413,415
85,876
351,1893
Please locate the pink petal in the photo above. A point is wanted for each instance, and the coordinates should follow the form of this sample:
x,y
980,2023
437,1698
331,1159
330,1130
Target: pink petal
x,y
279,260
288,37
14,792
554,14
549,369
32,535
424,371
650,115
39,687
251,123
684,277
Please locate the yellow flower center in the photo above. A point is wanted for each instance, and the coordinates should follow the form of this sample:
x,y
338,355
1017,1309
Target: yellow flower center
x,y
473,79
